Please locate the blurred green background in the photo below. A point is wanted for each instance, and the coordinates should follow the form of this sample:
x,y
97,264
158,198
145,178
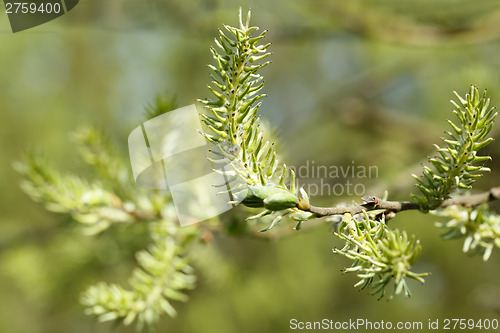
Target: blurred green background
x,y
359,80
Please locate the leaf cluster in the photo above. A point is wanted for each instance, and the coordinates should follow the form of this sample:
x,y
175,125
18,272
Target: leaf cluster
x,y
233,125
458,164
381,256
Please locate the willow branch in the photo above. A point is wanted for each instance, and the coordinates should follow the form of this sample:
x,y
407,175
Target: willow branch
x,y
371,203
374,203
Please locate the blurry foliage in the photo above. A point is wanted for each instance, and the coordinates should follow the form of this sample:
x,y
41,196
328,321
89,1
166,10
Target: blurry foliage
x,y
480,227
163,272
163,275
161,105
357,74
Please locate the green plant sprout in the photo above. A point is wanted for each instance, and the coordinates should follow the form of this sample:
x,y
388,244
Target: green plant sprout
x,y
382,257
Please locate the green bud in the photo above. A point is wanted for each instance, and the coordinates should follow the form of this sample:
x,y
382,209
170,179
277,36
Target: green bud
x,y
271,197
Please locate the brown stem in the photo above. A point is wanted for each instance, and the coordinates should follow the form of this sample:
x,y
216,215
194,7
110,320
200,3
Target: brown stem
x,y
375,203
371,203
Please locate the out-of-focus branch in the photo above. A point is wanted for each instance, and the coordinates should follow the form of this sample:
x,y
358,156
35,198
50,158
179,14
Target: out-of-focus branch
x,y
474,199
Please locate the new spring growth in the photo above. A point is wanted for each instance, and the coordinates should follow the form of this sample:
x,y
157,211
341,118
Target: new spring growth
x,y
458,165
232,119
381,256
